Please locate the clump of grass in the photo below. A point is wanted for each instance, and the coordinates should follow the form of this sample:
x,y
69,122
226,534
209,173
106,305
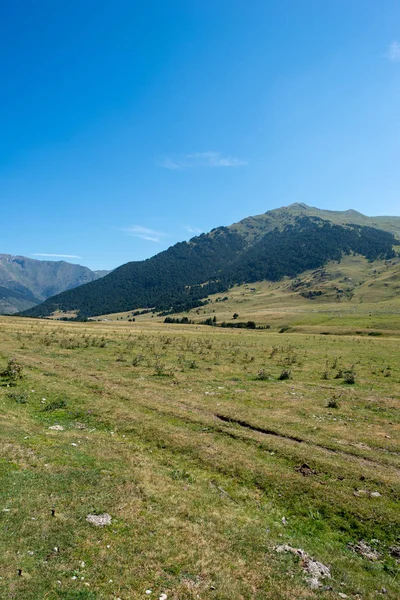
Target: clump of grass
x,y
137,360
13,372
182,475
19,398
193,364
55,405
286,374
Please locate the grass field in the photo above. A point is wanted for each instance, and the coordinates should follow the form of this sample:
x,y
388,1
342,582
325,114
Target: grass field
x,y
194,440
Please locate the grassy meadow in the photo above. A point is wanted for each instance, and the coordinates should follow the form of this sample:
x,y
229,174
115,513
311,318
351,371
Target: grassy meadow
x,y
209,448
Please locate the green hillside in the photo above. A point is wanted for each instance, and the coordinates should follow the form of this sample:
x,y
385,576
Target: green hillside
x,y
280,243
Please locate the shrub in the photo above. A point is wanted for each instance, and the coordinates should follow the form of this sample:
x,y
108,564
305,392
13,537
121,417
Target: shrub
x,y
262,375
286,374
159,368
13,372
349,377
333,403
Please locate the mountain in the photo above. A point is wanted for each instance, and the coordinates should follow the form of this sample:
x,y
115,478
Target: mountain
x,y
25,282
279,243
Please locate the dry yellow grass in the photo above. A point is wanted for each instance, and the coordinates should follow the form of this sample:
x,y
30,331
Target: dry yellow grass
x,y
185,435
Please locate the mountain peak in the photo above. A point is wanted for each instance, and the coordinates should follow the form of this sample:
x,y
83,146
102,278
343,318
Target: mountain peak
x,y
299,205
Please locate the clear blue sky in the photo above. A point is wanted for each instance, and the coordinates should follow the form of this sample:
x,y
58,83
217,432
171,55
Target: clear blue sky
x,y
127,126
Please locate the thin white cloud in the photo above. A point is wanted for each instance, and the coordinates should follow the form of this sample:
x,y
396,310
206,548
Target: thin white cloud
x,y
144,233
201,159
393,53
56,255
194,230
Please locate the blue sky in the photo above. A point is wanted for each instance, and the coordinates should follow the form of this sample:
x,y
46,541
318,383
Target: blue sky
x,y
127,126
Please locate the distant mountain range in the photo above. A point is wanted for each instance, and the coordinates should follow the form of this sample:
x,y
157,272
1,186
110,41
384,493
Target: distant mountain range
x,y
25,282
278,243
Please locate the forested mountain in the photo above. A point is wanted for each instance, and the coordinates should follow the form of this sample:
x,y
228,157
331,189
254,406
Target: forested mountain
x,y
279,243
25,282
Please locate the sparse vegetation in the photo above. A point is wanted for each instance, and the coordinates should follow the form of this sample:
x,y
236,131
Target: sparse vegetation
x,y
205,471
13,372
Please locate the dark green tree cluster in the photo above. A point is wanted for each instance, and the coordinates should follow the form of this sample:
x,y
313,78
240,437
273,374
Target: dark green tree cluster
x,y
179,278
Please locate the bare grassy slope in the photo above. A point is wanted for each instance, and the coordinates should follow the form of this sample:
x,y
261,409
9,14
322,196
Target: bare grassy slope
x,y
256,226
356,295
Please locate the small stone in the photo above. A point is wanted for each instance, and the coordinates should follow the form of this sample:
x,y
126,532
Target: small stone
x,y
314,583
375,495
364,550
284,522
99,520
57,427
83,565
73,444
341,595
148,592
163,597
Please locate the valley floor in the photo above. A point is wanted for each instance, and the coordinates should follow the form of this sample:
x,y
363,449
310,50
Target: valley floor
x,y
209,448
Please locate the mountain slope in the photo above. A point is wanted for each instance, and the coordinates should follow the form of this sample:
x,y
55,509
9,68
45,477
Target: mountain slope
x,y
25,282
253,228
279,243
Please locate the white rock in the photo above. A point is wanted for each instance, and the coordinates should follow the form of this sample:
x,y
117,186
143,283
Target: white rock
x,y
99,520
57,427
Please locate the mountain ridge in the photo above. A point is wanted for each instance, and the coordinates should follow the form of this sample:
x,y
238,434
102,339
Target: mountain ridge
x,y
25,282
278,243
